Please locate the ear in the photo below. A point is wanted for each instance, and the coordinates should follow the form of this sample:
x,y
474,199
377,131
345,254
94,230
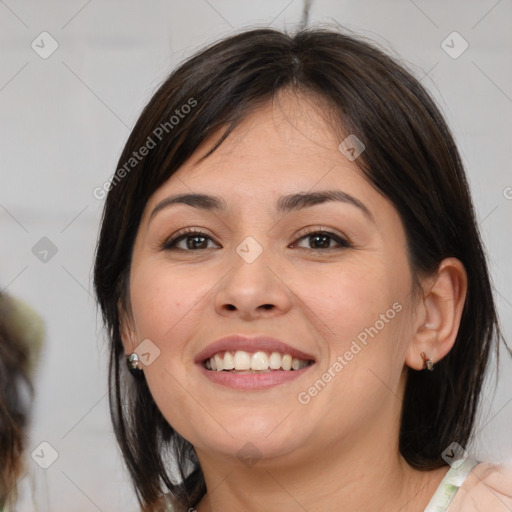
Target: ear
x,y
438,314
126,329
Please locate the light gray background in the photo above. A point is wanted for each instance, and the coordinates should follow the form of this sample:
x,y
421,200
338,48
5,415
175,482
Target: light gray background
x,y
64,121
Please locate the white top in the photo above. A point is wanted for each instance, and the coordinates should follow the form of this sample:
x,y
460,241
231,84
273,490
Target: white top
x,y
473,486
450,484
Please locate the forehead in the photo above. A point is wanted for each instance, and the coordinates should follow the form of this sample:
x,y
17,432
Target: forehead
x,y
287,127
287,144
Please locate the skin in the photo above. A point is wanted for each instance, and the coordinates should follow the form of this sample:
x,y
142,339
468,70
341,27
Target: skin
x,y
339,452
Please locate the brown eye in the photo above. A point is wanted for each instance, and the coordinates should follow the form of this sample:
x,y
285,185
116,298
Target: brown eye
x,y
323,240
189,241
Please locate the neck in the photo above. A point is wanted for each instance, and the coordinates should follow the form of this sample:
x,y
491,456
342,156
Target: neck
x,y
379,480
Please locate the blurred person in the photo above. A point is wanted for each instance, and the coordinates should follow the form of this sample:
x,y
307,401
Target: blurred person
x,y
21,334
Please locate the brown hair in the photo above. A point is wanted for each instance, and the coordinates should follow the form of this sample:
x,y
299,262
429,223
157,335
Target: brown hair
x,y
15,363
410,157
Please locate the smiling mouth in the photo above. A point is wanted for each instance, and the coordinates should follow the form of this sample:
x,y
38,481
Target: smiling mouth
x,y
240,361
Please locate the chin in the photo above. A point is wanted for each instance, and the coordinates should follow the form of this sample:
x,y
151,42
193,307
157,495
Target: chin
x,y
251,450
260,438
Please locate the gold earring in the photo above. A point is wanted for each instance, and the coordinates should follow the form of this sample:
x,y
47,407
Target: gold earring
x,y
429,364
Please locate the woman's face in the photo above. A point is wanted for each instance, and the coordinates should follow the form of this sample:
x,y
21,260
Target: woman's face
x,y
330,280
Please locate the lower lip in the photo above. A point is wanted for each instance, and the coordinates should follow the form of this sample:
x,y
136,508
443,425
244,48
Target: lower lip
x,y
253,381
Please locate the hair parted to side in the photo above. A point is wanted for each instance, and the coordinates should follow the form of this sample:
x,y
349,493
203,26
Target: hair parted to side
x,y
410,157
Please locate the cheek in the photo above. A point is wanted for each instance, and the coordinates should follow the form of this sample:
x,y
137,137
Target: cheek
x,y
361,314
347,300
161,301
166,311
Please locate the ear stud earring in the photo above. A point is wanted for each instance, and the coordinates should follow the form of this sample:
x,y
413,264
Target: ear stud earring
x,y
132,361
429,364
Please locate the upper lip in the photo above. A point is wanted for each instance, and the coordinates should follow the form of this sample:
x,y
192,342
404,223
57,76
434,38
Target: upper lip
x,y
250,344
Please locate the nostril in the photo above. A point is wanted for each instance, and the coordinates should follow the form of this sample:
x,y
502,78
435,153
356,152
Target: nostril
x,y
230,307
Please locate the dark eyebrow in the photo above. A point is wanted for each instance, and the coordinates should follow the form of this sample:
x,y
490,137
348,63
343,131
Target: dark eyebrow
x,y
307,199
202,201
285,204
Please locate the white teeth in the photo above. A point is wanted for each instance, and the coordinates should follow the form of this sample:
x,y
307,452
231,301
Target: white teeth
x,y
296,363
242,360
257,361
229,362
274,361
219,363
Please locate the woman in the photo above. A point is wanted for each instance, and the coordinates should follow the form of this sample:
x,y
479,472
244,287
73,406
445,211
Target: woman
x,y
290,265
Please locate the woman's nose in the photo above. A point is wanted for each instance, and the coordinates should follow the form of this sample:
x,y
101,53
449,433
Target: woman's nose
x,y
252,288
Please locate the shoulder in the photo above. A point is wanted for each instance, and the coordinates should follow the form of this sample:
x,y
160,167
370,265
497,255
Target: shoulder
x,y
487,487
